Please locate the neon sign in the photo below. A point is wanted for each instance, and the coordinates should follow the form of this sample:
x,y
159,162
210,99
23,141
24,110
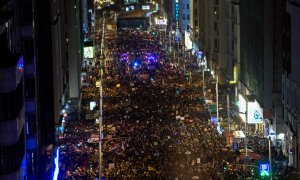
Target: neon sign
x,y
177,14
235,75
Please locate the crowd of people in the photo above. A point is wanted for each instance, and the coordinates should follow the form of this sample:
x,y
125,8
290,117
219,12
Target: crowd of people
x,y
154,127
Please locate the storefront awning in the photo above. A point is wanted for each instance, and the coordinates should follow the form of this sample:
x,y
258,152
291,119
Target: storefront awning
x,y
238,134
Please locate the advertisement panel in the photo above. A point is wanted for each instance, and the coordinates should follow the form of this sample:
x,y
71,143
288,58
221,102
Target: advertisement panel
x,y
187,40
242,107
255,113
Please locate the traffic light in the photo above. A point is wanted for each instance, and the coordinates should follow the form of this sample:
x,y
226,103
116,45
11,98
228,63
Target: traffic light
x,y
153,33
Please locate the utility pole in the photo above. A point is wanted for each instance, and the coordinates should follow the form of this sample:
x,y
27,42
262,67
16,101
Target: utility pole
x,y
101,96
203,88
217,95
246,136
228,117
270,157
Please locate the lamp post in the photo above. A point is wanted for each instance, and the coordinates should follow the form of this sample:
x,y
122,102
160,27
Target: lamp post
x,y
246,158
228,116
203,88
270,157
217,95
270,151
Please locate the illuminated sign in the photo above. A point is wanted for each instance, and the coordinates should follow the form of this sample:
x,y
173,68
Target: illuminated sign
x,y
177,14
88,52
252,109
146,7
254,113
199,54
187,40
235,75
242,107
161,22
92,105
56,162
97,83
264,169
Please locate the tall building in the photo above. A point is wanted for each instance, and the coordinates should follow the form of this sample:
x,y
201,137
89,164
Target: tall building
x,y
260,64
215,26
291,83
12,115
12,109
27,50
180,17
42,52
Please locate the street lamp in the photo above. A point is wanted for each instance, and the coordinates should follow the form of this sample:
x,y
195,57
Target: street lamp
x,y
228,116
270,152
101,96
246,158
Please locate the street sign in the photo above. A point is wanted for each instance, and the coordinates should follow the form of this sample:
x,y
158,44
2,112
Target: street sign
x,y
264,169
212,107
214,120
235,146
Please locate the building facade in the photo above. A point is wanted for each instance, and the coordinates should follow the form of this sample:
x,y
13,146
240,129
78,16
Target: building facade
x,y
12,96
40,69
291,83
215,26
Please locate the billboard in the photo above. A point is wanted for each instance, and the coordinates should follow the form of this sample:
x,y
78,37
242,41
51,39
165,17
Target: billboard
x,y
242,107
255,113
88,52
252,109
187,40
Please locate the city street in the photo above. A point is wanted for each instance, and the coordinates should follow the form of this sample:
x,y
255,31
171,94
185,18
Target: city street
x,y
155,123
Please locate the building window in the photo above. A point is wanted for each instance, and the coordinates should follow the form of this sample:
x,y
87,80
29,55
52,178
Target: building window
x,y
188,6
183,16
188,17
216,44
27,50
216,26
26,12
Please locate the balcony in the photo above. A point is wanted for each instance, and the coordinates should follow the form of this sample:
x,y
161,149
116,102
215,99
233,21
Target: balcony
x,y
11,158
10,130
11,70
